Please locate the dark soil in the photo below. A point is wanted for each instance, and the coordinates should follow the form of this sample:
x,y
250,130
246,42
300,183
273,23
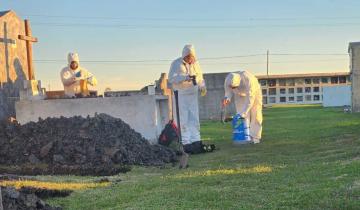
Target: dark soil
x,y
100,145
18,200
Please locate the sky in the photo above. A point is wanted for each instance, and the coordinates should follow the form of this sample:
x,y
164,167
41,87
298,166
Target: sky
x,y
127,44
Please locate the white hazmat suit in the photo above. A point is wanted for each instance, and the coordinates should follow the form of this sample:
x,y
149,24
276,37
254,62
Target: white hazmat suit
x,y
248,99
188,94
71,78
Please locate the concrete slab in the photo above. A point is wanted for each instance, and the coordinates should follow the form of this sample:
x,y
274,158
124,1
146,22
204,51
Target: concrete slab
x,y
337,96
146,114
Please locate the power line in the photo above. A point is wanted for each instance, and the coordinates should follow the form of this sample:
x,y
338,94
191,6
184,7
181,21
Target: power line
x,y
203,63
310,54
200,59
147,61
194,19
134,26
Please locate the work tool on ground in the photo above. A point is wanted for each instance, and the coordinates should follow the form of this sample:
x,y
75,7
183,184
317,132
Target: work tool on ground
x,y
184,156
223,117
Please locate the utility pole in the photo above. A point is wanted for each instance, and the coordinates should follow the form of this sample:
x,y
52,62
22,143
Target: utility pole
x,y
267,63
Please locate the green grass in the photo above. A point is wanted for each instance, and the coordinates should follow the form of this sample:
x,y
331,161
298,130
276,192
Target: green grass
x,y
313,154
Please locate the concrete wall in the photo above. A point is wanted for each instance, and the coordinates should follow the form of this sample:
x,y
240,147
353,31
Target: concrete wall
x,y
210,105
354,50
13,63
336,96
142,113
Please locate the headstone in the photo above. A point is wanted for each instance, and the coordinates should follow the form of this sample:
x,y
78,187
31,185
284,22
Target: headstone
x,y
32,90
15,52
166,91
151,90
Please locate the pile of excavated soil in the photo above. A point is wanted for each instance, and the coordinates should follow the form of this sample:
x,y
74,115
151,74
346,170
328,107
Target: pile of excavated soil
x,y
100,145
13,199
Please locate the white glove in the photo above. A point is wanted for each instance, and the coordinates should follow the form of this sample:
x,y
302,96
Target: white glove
x,y
90,80
243,115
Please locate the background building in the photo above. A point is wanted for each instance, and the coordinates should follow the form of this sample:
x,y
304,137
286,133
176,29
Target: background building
x,y
282,89
299,88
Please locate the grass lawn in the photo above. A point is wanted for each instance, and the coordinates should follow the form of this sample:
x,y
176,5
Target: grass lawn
x,y
309,159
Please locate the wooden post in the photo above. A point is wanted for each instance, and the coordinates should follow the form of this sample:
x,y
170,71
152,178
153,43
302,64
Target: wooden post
x,y
28,38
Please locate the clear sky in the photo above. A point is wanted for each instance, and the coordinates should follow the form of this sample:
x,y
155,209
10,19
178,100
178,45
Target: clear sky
x,y
128,43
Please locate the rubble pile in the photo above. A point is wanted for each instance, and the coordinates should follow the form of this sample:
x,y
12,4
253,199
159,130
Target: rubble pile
x,y
99,145
13,199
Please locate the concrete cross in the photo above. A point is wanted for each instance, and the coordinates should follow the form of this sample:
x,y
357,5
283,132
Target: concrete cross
x,y
28,38
7,41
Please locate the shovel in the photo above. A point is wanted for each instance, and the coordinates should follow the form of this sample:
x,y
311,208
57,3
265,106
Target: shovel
x,y
184,156
223,117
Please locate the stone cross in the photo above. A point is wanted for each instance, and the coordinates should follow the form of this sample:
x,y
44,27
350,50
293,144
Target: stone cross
x,y
29,39
7,41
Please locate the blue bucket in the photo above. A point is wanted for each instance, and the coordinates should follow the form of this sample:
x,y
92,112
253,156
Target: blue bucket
x,y
241,130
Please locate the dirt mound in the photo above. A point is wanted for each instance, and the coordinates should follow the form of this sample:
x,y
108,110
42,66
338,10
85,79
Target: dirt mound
x,y
100,145
14,200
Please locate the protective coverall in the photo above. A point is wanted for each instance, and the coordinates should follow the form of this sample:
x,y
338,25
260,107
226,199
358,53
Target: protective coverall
x,y
71,78
179,74
248,99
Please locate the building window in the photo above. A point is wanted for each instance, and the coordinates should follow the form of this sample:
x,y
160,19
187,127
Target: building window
x,y
316,97
282,91
308,81
299,81
282,82
308,98
272,91
334,80
324,80
272,100
264,100
299,98
291,90
342,79
264,91
299,90
290,82
316,89
282,99
307,89
263,82
272,82
291,99
316,81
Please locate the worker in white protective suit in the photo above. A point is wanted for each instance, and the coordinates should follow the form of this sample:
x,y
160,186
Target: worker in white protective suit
x,y
186,77
246,90
74,75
